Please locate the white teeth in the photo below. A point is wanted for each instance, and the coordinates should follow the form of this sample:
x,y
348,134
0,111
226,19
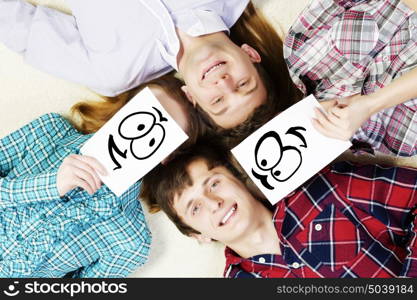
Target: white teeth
x,y
228,215
213,68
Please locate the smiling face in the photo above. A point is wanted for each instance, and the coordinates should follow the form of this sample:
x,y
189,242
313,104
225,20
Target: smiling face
x,y
221,78
216,204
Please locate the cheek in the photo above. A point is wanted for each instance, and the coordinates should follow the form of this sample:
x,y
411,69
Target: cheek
x,y
232,191
261,95
202,223
182,119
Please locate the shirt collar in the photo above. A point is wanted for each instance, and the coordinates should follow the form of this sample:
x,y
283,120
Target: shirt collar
x,y
200,21
194,22
232,258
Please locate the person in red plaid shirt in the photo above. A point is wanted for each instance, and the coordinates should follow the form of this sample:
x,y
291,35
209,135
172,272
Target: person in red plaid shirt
x,y
346,221
359,54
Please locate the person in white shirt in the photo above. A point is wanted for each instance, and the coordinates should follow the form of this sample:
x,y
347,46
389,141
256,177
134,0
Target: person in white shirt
x,y
112,46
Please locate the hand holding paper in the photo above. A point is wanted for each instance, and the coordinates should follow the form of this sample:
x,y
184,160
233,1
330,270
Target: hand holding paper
x,y
287,151
343,117
79,171
134,141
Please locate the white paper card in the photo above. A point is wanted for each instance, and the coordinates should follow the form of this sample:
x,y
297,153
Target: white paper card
x,y
134,141
287,151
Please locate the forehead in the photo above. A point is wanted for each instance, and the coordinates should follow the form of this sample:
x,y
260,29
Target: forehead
x,y
198,172
195,171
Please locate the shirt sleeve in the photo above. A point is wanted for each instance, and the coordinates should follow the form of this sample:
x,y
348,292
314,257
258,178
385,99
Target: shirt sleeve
x,y
69,47
116,266
315,65
28,189
22,179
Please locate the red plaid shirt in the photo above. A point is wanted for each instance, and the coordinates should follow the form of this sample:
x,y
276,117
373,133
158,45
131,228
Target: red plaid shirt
x,y
338,48
347,221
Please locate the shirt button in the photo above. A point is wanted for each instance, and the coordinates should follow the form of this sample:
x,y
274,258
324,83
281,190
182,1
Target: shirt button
x,y
385,58
261,260
296,265
318,227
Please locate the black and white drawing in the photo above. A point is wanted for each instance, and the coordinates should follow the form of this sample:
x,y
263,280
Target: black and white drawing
x,y
137,138
287,151
145,132
276,159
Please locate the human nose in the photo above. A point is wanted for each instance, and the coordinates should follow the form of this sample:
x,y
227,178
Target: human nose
x,y
225,82
214,204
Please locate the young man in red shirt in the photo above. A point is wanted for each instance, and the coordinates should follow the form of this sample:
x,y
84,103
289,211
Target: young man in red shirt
x,y
346,221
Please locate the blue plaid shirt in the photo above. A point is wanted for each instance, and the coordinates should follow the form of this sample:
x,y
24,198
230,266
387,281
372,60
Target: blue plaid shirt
x,y
45,235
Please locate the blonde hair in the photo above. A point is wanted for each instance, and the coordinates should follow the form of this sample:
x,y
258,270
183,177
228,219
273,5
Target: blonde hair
x,y
90,116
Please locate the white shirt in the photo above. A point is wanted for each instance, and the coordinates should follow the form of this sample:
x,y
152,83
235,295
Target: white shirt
x,y
110,45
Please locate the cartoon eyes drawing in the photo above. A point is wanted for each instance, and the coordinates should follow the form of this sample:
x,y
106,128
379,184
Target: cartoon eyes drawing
x,y
144,147
144,132
278,161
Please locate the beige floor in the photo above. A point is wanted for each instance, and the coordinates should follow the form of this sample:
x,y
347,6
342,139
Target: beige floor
x,y
27,93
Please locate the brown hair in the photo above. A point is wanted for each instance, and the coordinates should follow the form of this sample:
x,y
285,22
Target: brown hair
x,y
90,116
254,29
171,179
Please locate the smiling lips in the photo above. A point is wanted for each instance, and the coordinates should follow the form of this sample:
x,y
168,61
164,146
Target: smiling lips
x,y
228,215
212,68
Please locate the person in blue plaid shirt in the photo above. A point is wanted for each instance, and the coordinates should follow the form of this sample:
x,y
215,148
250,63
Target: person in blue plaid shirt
x,y
56,218
345,221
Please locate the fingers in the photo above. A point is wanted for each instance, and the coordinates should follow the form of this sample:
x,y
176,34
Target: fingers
x,y
93,163
84,185
88,178
84,170
328,104
326,120
339,111
330,124
320,128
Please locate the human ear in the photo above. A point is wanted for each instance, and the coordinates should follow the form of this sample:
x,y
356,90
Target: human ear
x,y
254,56
190,98
202,239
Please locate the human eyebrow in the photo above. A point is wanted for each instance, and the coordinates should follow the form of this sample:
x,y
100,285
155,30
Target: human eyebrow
x,y
190,202
187,208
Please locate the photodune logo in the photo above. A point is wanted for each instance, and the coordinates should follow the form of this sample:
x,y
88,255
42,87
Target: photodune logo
x,y
11,290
